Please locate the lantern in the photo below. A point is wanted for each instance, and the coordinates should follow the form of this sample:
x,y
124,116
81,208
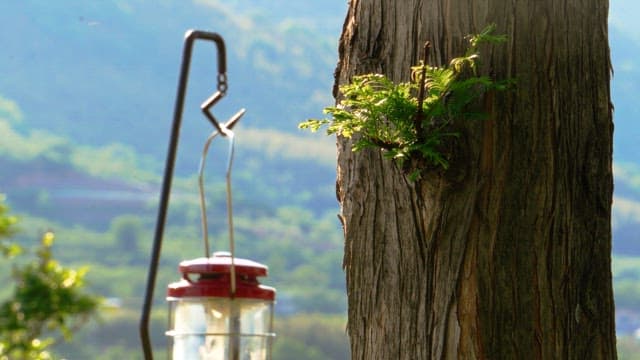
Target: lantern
x,y
208,321
218,310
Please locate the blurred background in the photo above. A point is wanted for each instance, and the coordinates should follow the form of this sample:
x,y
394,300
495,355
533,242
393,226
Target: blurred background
x,y
87,91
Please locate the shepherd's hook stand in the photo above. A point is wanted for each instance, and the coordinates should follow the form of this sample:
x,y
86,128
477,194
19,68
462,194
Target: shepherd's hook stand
x,y
223,129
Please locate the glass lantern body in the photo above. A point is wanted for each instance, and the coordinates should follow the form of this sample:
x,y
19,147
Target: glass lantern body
x,y
220,328
207,322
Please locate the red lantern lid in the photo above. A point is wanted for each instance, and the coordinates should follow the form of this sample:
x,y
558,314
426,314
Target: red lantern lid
x,y
214,278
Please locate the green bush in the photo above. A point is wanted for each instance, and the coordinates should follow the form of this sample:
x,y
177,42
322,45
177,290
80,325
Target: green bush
x,y
48,300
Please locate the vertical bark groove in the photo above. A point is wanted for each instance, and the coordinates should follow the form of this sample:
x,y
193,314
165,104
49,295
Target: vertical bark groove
x,y
509,259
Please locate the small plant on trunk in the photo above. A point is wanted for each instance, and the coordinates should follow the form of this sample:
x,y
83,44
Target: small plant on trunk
x,y
412,122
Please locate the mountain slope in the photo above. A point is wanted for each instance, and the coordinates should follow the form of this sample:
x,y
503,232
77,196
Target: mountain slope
x,y
100,72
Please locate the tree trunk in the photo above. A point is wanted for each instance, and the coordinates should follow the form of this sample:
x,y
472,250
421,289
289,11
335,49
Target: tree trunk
x,y
507,254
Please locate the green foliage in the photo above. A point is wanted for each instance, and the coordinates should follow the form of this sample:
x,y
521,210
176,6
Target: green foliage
x,y
386,115
7,229
48,299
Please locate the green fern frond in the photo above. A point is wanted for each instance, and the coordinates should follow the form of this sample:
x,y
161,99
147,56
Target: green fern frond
x,y
384,113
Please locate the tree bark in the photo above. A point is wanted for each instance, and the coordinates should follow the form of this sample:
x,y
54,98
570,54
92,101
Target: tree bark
x,y
507,254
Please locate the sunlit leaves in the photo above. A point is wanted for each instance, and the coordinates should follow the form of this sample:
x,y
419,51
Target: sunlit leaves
x,y
7,229
486,36
385,115
47,298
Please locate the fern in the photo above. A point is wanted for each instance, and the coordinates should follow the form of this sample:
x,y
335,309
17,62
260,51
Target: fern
x,y
385,115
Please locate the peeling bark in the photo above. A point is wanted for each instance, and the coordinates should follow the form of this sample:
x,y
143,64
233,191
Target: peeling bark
x,y
507,255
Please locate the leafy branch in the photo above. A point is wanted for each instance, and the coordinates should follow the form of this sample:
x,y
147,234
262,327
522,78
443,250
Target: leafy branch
x,y
47,299
404,126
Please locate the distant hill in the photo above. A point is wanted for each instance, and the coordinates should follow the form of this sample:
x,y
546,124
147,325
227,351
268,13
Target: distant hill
x,y
102,72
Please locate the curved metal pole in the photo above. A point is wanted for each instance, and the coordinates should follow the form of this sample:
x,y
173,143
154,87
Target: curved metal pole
x,y
190,37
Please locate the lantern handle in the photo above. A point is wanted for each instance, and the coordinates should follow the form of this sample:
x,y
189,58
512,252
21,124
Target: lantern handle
x,y
190,37
225,130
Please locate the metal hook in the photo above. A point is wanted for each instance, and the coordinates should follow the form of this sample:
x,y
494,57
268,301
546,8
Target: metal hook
x,y
190,37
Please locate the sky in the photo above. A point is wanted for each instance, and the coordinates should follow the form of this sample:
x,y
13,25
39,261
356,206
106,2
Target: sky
x,y
623,15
